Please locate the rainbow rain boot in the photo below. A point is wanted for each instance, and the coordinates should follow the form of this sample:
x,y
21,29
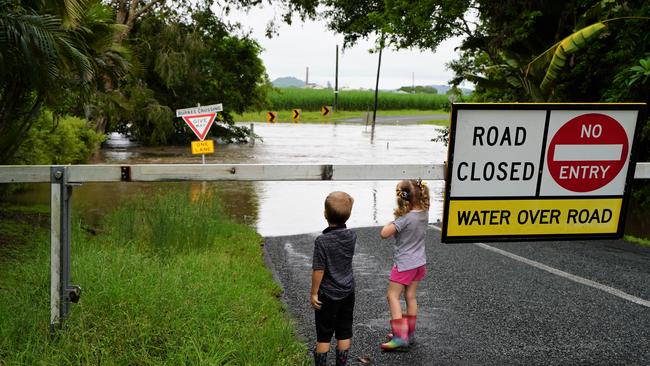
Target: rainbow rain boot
x,y
400,340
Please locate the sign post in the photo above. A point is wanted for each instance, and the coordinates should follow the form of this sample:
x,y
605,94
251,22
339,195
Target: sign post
x,y
200,119
539,171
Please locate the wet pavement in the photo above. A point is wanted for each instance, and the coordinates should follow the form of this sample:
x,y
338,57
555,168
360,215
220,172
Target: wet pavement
x,y
478,307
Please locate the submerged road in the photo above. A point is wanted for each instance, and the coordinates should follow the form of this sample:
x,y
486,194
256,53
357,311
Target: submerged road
x,y
401,120
550,303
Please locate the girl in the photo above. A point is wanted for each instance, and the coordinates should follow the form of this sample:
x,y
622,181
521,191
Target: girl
x,y
409,259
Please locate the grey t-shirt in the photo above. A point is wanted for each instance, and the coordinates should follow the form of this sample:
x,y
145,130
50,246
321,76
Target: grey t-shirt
x,y
409,240
333,252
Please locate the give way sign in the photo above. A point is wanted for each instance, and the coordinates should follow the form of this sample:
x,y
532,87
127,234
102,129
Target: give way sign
x,y
200,118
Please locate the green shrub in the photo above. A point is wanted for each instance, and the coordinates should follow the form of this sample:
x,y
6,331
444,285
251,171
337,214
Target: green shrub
x,y
64,140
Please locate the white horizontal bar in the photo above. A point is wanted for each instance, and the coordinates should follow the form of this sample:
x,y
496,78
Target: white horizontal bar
x,y
251,172
602,152
24,173
231,172
642,171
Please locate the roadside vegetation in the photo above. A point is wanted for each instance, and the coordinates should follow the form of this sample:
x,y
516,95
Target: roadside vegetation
x,y
354,100
284,116
636,240
165,281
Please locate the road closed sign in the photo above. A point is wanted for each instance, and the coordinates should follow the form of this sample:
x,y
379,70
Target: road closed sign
x,y
532,171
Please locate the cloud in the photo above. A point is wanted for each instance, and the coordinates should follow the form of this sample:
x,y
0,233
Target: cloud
x,y
311,44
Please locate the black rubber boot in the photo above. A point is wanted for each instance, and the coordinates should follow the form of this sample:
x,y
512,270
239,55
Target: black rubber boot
x,y
342,357
320,359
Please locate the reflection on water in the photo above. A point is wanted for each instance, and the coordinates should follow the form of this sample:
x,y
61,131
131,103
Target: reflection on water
x,y
276,208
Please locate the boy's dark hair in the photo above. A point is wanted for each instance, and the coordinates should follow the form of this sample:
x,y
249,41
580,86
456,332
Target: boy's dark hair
x,y
338,207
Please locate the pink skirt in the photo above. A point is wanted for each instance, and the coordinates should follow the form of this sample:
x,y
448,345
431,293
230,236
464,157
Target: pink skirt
x,y
406,277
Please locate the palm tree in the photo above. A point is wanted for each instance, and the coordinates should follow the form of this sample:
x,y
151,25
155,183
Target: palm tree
x,y
46,49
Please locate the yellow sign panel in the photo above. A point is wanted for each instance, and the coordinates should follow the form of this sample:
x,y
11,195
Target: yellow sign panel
x,y
271,116
325,110
203,147
295,114
469,218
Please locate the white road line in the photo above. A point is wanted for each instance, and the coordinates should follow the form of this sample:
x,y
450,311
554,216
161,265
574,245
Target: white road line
x,y
563,274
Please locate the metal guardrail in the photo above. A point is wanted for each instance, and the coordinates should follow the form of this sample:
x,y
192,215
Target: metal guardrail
x,y
220,172
63,178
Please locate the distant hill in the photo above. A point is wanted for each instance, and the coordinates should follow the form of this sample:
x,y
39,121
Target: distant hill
x,y
287,82
443,89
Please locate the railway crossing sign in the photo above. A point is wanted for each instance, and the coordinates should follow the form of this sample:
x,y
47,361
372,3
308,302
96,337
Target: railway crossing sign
x,y
325,110
200,118
295,114
271,116
539,171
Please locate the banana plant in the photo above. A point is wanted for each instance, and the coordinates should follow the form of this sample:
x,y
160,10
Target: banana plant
x,y
555,58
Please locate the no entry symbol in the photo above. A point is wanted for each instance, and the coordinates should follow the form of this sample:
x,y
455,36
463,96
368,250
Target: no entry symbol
x,y
587,152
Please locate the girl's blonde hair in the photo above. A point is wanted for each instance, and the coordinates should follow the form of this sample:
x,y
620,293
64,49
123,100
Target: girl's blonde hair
x,y
411,193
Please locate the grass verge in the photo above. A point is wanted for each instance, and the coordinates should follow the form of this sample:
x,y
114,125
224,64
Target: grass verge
x,y
284,116
167,282
636,240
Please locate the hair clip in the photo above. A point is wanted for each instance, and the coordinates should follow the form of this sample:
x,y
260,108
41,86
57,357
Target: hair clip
x,y
402,194
420,184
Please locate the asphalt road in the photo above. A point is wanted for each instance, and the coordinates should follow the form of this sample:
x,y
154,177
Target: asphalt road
x,y
480,307
398,119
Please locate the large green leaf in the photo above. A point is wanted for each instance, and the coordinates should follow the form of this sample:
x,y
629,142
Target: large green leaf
x,y
565,48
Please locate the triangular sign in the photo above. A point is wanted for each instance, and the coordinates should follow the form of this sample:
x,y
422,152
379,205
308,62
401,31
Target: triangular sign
x,y
200,123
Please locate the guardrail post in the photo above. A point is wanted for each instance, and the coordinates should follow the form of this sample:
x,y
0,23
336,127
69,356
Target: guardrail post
x,y
61,291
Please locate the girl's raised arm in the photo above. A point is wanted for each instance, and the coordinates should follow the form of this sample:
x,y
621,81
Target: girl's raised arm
x,y
388,230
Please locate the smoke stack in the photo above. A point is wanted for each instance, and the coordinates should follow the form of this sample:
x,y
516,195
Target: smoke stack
x,y
307,76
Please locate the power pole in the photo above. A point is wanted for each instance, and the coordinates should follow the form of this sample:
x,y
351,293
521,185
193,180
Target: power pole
x,y
413,82
336,81
374,111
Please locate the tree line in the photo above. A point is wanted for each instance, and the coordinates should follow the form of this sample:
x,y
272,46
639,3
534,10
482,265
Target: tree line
x,y
125,65
120,65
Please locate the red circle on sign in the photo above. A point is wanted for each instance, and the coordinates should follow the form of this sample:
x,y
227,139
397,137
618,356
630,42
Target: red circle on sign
x,y
587,152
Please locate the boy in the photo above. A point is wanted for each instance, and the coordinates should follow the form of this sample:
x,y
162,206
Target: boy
x,y
332,282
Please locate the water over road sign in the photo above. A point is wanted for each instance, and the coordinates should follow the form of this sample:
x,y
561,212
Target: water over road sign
x,y
531,171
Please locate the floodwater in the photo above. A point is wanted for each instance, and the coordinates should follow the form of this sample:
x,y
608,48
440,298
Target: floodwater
x,y
275,208
283,208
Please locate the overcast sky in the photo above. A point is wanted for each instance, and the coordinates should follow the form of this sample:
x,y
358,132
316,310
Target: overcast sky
x,y
312,45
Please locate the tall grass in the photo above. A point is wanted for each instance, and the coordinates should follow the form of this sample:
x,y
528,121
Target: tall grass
x,y
168,282
353,100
